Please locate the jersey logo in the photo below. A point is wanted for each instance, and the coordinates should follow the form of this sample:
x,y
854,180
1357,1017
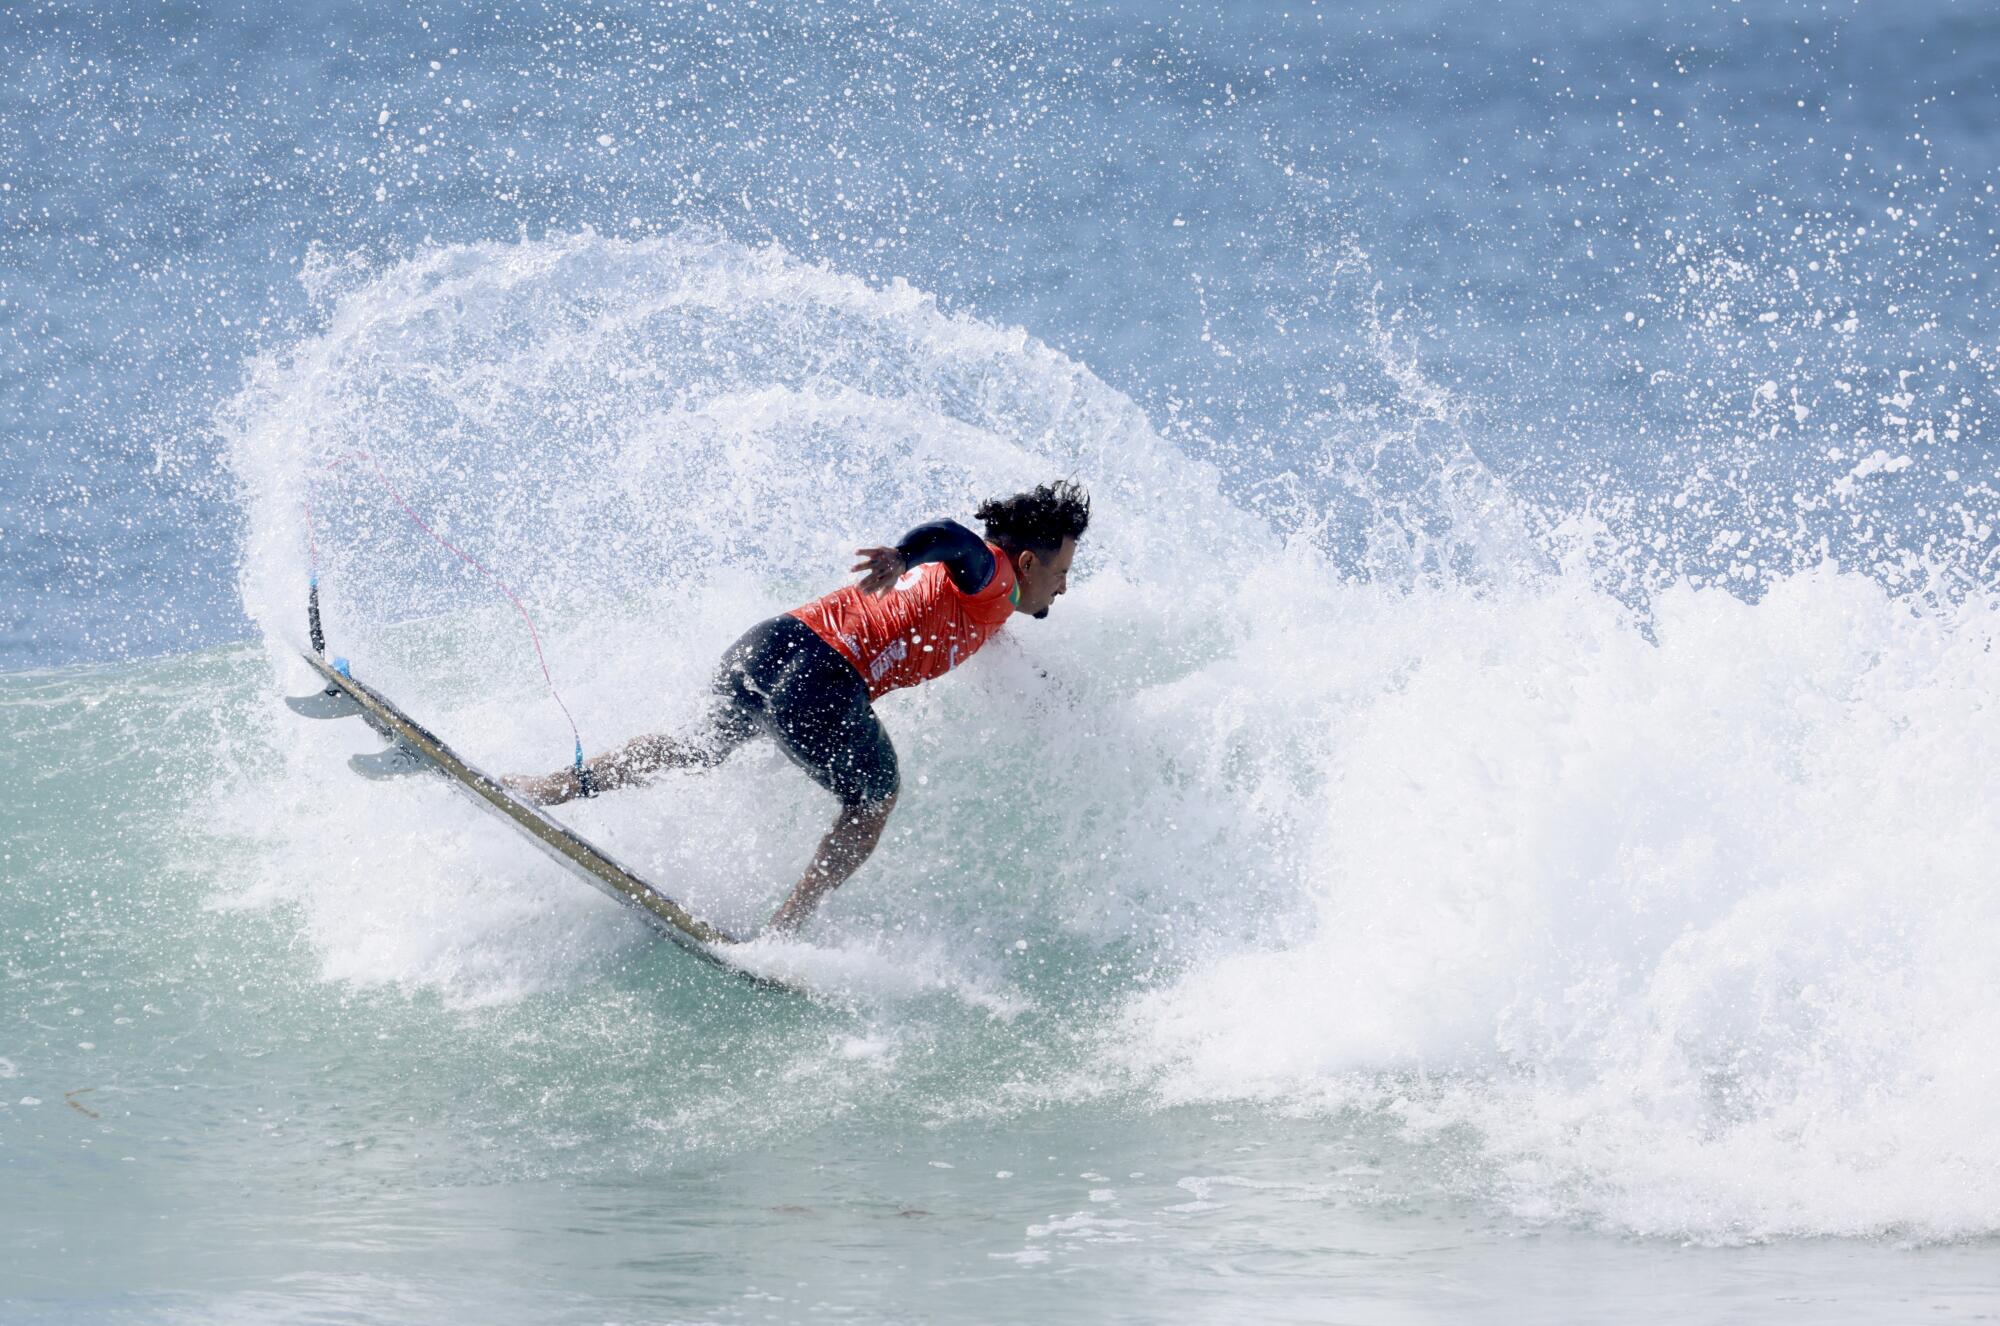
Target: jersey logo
x,y
887,659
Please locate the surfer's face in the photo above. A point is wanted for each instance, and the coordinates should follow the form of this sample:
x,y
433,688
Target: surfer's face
x,y
1044,577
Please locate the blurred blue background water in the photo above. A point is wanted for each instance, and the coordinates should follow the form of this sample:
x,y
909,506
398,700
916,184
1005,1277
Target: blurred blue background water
x,y
1631,253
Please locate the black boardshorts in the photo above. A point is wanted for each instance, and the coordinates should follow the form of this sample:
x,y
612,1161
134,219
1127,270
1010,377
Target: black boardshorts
x,y
782,679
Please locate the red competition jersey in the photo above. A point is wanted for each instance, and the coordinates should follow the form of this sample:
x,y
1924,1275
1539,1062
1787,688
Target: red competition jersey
x,y
923,628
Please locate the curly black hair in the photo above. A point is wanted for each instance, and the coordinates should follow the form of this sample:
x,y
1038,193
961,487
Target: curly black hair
x,y
1039,519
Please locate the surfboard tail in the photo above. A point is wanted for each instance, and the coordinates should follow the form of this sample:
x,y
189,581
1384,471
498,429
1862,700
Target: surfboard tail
x,y
415,748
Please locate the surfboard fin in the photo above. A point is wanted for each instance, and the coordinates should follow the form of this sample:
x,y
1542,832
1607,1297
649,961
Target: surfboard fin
x,y
398,761
329,703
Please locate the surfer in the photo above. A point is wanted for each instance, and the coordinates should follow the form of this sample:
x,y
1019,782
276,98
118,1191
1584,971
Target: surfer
x,y
810,677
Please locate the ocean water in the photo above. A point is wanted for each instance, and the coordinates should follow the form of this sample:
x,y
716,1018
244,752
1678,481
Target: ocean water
x,y
1499,829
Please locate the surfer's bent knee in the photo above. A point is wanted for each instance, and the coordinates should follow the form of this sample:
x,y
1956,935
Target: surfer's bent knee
x,y
875,807
867,777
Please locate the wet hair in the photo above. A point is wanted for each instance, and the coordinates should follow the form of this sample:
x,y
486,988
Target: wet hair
x,y
1039,519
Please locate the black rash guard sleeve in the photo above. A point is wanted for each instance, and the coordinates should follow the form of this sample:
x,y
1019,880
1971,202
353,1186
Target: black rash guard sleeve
x,y
965,555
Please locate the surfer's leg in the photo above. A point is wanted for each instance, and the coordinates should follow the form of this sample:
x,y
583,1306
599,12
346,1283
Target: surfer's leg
x,y
735,712
733,716
821,716
847,844
626,764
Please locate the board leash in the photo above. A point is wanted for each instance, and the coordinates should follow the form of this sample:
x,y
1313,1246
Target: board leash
x,y
586,784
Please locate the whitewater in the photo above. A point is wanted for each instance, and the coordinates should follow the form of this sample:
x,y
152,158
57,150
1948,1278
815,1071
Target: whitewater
x,y
1660,912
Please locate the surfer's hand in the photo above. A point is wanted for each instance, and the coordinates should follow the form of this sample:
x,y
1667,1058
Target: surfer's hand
x,y
883,565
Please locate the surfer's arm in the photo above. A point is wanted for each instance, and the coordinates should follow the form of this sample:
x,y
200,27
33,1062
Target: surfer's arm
x,y
965,555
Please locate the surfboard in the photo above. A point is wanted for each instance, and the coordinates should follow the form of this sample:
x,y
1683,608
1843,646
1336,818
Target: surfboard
x,y
415,748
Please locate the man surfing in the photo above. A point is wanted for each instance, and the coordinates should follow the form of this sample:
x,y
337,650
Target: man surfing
x,y
810,678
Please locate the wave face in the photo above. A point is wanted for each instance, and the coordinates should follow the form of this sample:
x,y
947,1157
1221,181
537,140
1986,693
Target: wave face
x,y
1665,912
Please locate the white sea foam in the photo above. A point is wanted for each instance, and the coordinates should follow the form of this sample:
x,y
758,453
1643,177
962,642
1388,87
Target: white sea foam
x,y
1695,933
657,443
866,971
1685,913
